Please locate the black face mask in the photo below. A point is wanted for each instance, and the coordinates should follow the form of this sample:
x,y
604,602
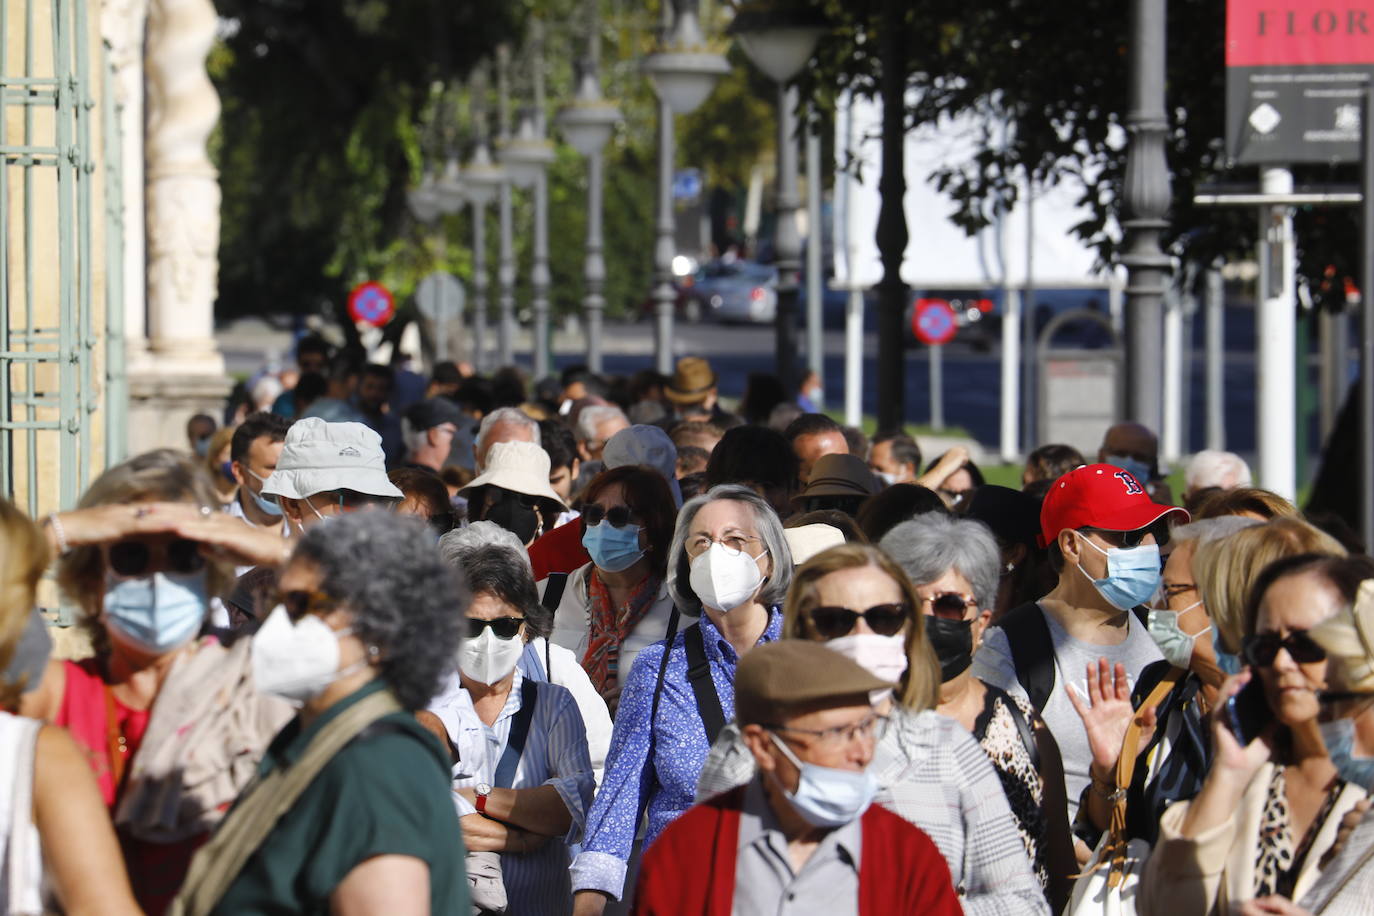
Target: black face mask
x,y
516,514
952,641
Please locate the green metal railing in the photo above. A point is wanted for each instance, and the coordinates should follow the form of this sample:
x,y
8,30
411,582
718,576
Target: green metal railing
x,y
48,333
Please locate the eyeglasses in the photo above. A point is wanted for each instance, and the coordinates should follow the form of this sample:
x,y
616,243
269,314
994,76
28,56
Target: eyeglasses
x,y
869,728
1261,649
884,619
734,544
949,605
352,501
503,627
299,602
618,516
136,558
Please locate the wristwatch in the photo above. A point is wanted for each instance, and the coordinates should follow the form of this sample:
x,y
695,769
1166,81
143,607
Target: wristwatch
x,y
483,790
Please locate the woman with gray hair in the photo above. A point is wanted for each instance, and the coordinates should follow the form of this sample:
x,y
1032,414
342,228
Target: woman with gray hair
x,y
522,780
541,660
363,628
730,564
954,565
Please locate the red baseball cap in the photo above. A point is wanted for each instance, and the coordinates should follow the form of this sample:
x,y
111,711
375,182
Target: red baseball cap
x,y
1099,496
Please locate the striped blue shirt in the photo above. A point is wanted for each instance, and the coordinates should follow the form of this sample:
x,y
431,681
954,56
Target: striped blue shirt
x,y
680,749
555,755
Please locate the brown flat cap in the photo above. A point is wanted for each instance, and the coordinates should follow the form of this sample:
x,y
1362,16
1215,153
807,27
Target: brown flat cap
x,y
778,676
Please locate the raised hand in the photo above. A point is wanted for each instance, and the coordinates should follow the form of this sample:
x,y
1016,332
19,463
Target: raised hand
x,y
1107,713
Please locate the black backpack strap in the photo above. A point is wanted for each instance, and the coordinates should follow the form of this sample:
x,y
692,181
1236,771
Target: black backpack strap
x,y
645,776
699,674
519,731
1032,651
553,590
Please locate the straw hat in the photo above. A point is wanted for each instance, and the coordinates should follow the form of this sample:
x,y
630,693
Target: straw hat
x,y
691,382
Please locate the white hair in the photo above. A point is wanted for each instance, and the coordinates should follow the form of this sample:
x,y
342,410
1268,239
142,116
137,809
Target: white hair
x,y
1206,530
413,439
1213,468
456,545
591,418
512,415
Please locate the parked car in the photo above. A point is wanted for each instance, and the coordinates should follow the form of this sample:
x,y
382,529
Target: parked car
x,y
732,291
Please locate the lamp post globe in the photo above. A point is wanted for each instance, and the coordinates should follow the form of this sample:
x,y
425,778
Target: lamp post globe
x,y
423,199
450,191
526,155
589,120
482,178
685,71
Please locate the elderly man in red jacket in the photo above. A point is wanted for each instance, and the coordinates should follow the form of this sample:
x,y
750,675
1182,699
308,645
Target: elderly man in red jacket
x,y
803,837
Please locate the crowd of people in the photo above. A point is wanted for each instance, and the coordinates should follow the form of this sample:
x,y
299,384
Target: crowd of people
x,y
385,643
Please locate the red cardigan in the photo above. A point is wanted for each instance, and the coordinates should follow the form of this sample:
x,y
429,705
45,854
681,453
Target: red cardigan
x,y
690,868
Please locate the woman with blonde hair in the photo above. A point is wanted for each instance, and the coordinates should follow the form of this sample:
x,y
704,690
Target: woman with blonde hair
x,y
217,461
860,603
168,720
65,842
1226,568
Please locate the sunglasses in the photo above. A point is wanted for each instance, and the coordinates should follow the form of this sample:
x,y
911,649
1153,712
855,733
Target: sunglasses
x,y
949,605
135,558
1261,649
299,602
883,619
1133,538
503,627
618,516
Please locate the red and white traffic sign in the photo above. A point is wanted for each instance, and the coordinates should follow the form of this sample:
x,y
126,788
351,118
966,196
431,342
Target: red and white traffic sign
x,y
932,321
371,303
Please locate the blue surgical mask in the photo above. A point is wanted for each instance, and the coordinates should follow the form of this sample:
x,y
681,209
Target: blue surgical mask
x,y
202,446
1139,469
158,612
226,468
1339,737
268,506
1226,661
1133,574
825,796
613,549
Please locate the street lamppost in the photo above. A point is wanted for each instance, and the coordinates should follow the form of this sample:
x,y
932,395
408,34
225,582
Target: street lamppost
x,y
432,201
780,45
587,124
527,157
505,267
683,73
484,181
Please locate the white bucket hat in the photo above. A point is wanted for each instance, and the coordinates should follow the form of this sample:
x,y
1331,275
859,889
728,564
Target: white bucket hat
x,y
319,457
522,467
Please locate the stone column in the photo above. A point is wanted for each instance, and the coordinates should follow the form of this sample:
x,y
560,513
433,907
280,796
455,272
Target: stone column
x,y
184,372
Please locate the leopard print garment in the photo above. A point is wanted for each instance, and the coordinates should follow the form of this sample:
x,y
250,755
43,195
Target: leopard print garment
x,y
1000,739
1279,859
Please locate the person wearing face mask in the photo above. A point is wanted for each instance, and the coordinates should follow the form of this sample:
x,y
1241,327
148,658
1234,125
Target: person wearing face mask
x,y
953,565
352,797
610,609
730,564
513,491
523,781
165,717
1348,639
1173,758
327,469
1271,807
218,463
1135,448
1102,531
857,600
253,454
805,827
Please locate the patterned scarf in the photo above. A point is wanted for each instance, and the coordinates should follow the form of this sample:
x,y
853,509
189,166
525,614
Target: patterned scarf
x,y
607,629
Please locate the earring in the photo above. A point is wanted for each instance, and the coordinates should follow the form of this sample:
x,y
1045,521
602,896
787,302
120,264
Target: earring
x,y
1011,567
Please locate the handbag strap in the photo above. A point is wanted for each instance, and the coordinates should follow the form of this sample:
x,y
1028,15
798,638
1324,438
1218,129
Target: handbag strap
x,y
21,813
1125,772
699,674
263,803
